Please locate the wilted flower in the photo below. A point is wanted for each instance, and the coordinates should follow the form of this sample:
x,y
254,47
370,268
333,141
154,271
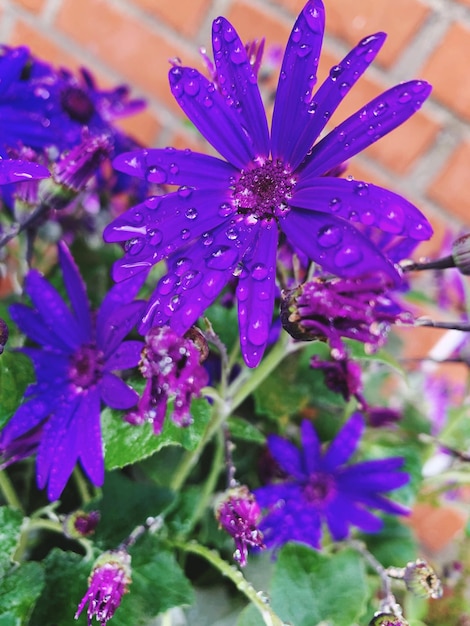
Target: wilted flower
x,y
73,366
421,579
388,619
319,487
109,581
331,309
342,376
171,365
226,216
239,515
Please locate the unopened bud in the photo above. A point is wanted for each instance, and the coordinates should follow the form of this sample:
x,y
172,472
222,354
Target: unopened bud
x,y
388,619
81,524
461,254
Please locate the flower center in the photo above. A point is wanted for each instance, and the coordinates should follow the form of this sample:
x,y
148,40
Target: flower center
x,y
320,489
86,366
77,104
263,192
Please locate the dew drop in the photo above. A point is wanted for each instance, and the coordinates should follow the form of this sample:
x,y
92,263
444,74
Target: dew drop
x,y
380,109
174,304
207,239
303,50
174,169
185,234
207,102
296,35
312,107
155,237
259,271
258,331
212,285
134,246
222,258
152,203
336,71
361,189
350,255
191,213
238,55
184,191
191,86
368,218
344,88
329,236
166,284
335,204
216,42
138,217
225,209
191,279
156,175
229,34
393,221
232,233
313,18
182,265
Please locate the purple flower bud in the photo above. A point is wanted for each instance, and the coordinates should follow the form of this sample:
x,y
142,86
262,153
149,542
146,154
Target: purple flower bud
x,y
239,515
342,376
109,581
388,619
461,254
81,524
3,335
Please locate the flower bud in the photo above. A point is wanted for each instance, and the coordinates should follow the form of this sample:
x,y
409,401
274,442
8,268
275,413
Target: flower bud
x,y
81,524
461,254
422,580
388,619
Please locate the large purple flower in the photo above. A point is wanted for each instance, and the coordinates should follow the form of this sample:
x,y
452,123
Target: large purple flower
x,y
225,218
320,487
74,372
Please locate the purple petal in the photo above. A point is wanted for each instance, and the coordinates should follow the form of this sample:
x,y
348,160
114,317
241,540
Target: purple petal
x,y
118,324
355,481
287,455
239,85
339,247
376,501
11,65
270,495
311,447
358,516
116,394
196,278
27,416
176,167
32,324
325,101
255,295
337,518
127,355
366,126
52,308
344,444
363,203
117,296
90,440
218,122
296,81
49,365
14,171
76,292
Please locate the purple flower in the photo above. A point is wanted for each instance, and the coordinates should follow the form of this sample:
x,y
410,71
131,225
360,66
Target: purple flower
x,y
171,366
19,171
331,309
342,376
225,218
239,515
320,488
73,364
109,581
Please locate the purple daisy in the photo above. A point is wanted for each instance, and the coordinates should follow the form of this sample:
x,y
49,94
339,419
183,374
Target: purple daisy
x,y
74,370
225,218
319,487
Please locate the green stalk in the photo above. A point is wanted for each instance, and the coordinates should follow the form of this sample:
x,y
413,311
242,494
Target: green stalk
x,y
257,598
9,492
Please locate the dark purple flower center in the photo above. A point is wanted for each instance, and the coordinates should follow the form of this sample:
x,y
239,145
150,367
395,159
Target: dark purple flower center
x,y
320,489
263,192
86,366
77,104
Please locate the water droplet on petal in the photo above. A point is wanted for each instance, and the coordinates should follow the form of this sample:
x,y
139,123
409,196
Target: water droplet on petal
x,y
134,246
335,204
137,217
191,84
207,239
232,233
368,218
152,203
393,221
185,234
222,258
238,55
174,169
191,279
182,265
184,191
229,34
296,35
155,236
350,255
313,18
225,209
259,271
212,284
191,213
380,109
208,102
173,305
329,236
303,50
361,189
258,331
166,284
156,175
335,71
344,88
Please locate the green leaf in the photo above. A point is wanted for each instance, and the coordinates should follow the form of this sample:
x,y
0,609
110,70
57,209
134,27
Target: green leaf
x,y
16,373
309,587
10,531
241,429
19,592
250,616
125,444
394,545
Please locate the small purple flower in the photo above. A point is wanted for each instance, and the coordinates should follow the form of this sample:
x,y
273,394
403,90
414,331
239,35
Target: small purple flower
x,y
109,581
74,366
239,515
81,524
171,365
330,309
319,487
226,216
342,376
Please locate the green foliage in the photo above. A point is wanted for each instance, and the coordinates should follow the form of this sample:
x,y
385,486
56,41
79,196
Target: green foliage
x,y
19,591
16,373
10,531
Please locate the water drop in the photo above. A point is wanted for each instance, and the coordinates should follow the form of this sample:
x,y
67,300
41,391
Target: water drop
x,y
350,255
335,71
174,169
296,35
184,191
258,331
259,271
134,246
229,34
232,233
329,236
216,44
368,218
138,217
212,285
174,304
238,55
152,203
207,102
166,284
191,213
361,189
335,204
207,239
191,279
344,88
303,50
155,237
313,18
225,209
156,175
182,265
185,234
222,258
380,109
393,221
191,86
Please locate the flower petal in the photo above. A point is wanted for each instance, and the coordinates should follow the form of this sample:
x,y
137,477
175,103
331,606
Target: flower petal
x,y
176,167
76,291
287,455
116,394
296,81
255,295
344,444
239,85
118,324
311,447
366,126
32,324
339,247
125,356
14,171
325,101
218,122
27,416
363,203
118,295
90,441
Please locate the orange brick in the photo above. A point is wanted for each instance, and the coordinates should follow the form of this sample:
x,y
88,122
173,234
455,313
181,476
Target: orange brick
x,y
401,19
123,43
450,188
42,47
143,127
253,23
192,10
35,6
437,527
448,73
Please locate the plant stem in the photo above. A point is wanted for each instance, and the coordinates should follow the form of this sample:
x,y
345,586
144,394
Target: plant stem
x,y
9,492
82,485
255,597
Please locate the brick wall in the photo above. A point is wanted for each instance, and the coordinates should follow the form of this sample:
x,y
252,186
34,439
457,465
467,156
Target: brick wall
x,y
131,41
